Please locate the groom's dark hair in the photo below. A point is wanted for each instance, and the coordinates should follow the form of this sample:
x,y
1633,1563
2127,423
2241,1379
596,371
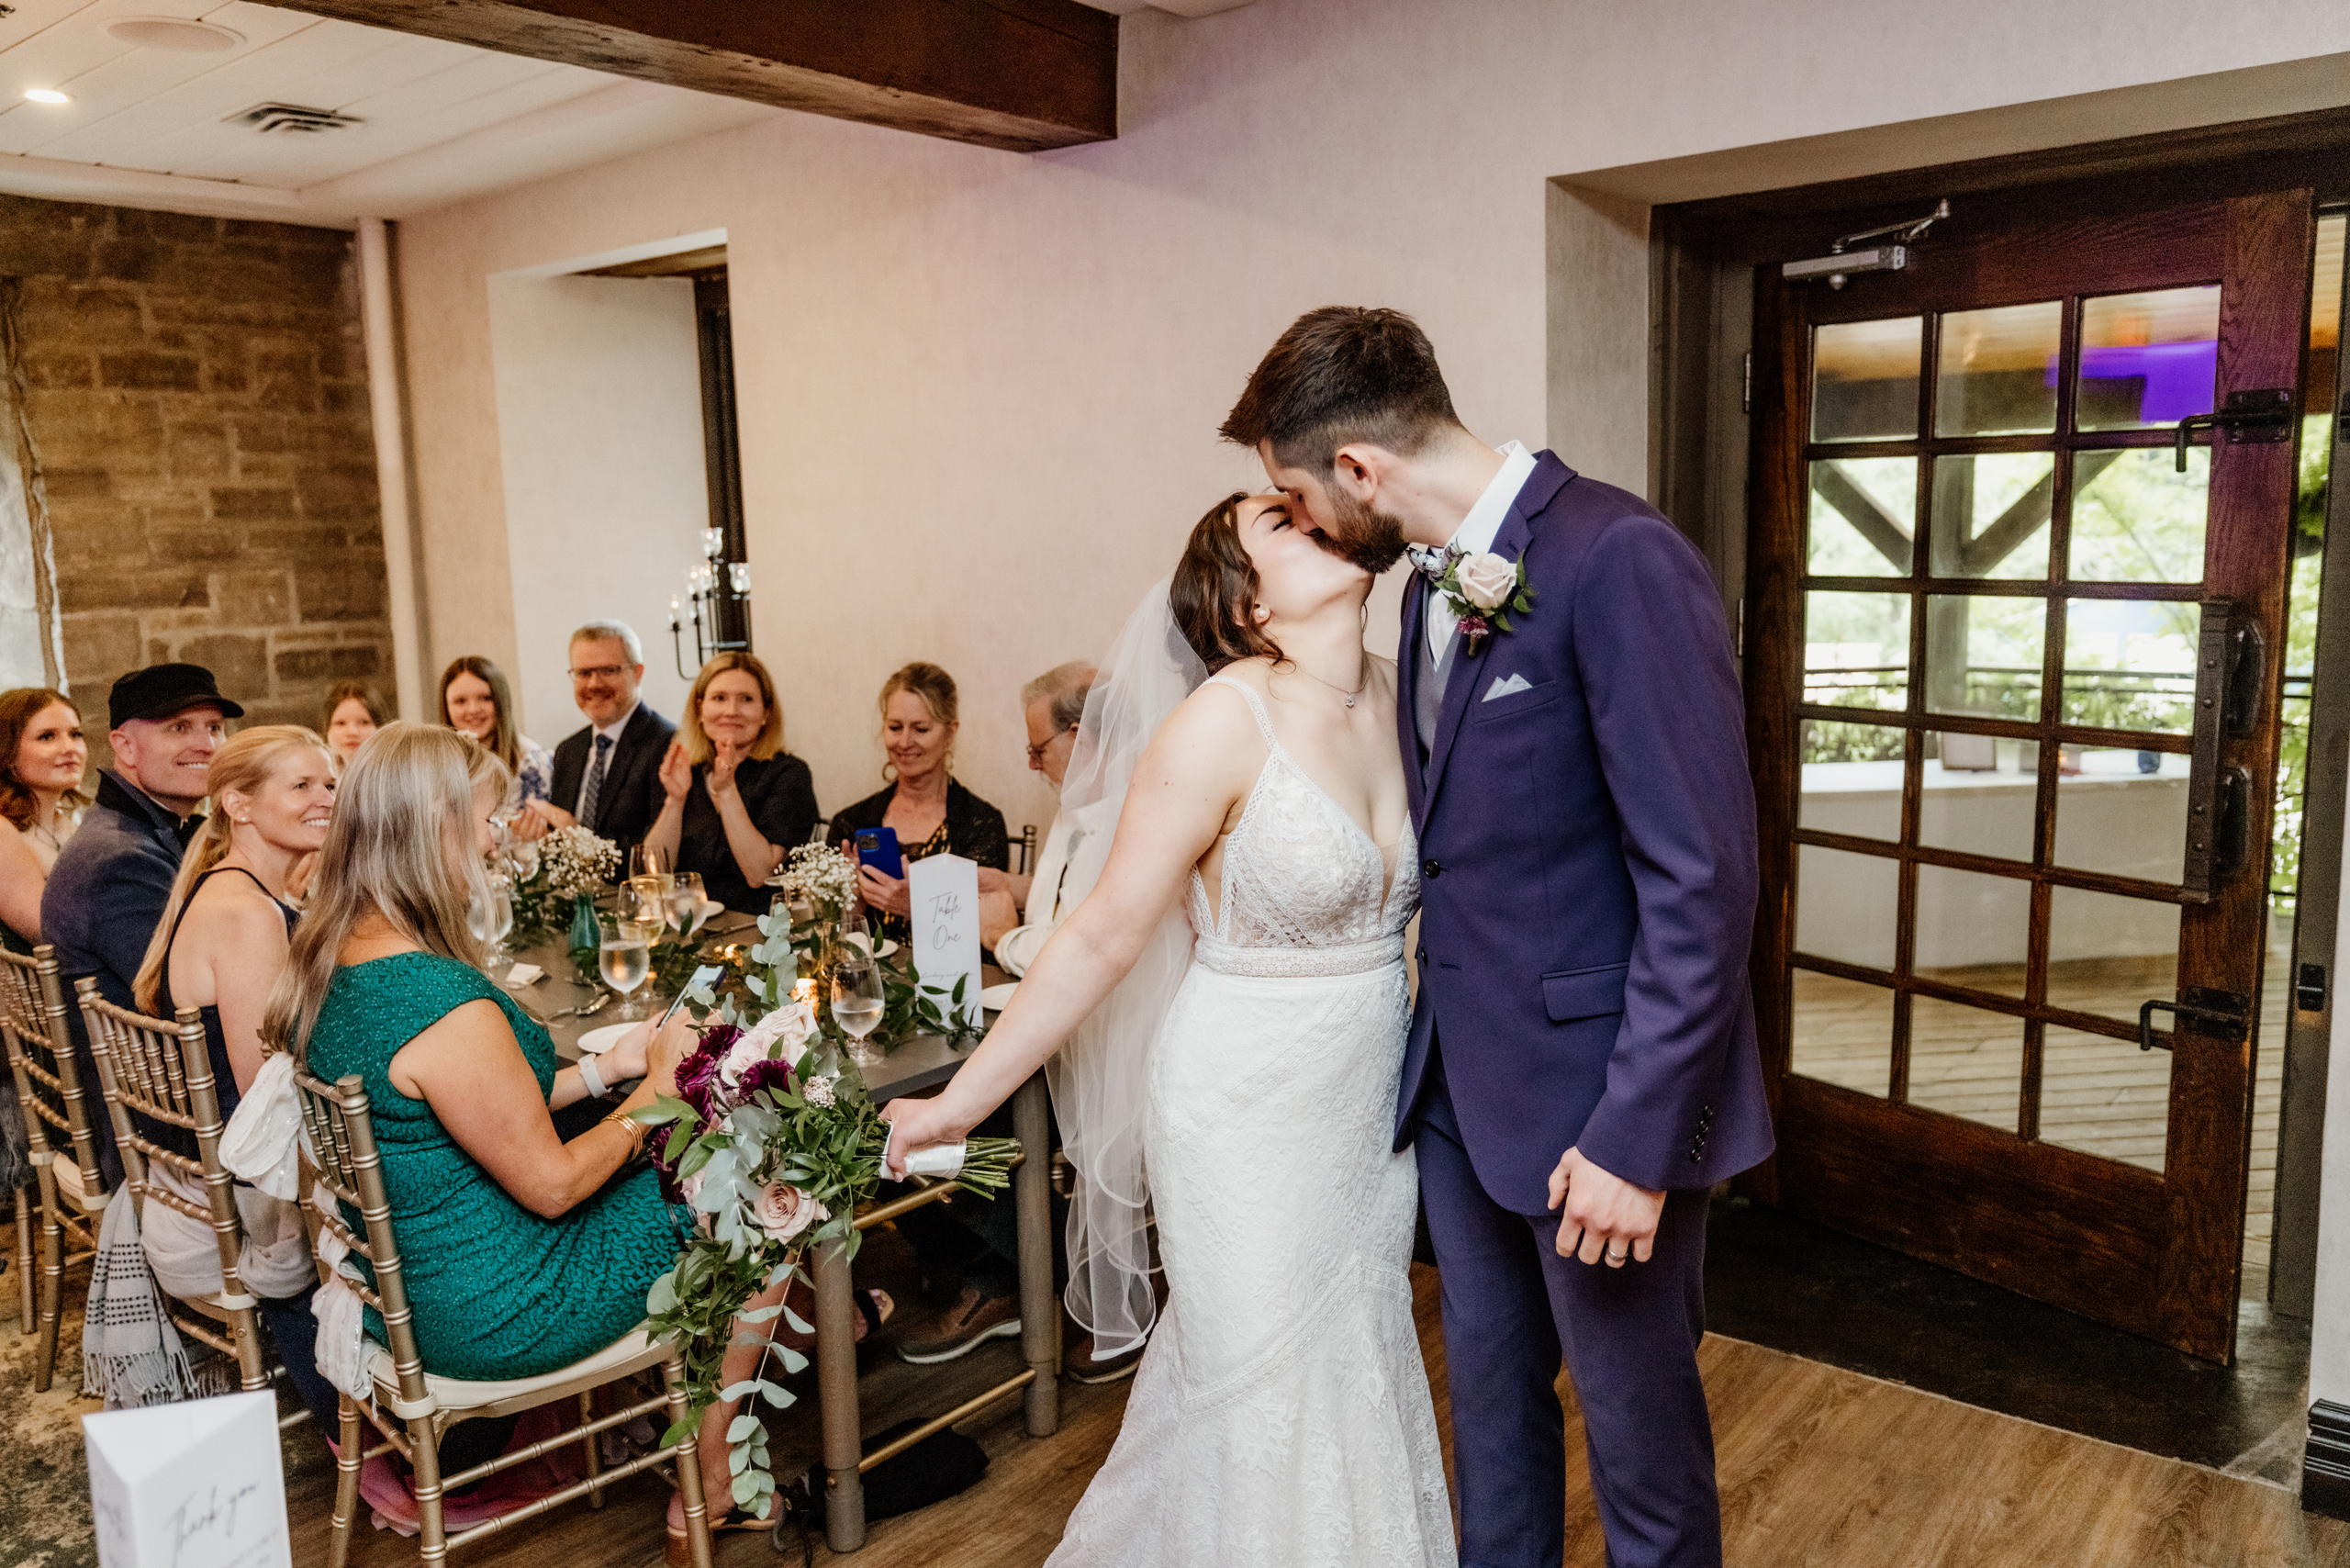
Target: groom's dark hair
x,y
1341,374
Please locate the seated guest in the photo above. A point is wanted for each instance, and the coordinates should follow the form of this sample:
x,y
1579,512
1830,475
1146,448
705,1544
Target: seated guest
x,y
353,711
476,699
1016,912
931,812
219,949
42,760
606,776
522,1253
107,893
735,800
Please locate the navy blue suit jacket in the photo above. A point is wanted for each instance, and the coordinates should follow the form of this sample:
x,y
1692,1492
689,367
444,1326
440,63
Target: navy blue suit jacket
x,y
1587,892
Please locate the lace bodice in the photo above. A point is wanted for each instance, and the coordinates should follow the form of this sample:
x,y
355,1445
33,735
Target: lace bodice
x,y
1299,876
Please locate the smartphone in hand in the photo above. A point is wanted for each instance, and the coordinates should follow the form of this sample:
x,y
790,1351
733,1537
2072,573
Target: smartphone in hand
x,y
877,848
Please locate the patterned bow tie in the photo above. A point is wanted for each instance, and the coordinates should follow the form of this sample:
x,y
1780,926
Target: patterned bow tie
x,y
1429,563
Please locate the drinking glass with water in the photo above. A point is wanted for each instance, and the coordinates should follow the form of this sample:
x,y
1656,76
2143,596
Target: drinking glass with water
x,y
857,1005
624,958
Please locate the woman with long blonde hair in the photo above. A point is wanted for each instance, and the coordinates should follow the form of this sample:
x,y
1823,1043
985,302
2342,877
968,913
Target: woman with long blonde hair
x,y
522,1253
218,949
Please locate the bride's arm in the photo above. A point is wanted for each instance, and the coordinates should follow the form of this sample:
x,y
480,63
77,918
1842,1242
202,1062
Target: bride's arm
x,y
1186,786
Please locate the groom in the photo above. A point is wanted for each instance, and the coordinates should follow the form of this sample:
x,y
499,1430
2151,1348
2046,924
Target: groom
x,y
1582,1064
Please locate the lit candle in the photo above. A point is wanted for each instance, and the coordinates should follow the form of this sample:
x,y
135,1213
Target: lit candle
x,y
804,991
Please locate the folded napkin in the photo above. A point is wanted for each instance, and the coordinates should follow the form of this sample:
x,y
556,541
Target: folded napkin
x,y
524,974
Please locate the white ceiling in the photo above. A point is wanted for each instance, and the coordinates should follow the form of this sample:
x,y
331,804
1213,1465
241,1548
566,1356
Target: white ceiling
x,y
437,121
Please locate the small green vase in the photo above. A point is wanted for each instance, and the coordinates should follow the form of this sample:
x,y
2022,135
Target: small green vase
x,y
585,938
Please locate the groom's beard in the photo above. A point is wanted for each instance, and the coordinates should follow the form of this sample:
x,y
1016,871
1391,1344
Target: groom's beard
x,y
1371,539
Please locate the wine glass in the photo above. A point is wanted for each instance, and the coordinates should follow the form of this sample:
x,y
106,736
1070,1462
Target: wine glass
x,y
684,900
624,958
492,920
857,1003
647,860
648,898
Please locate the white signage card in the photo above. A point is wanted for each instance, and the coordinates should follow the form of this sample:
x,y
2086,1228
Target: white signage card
x,y
196,1485
944,891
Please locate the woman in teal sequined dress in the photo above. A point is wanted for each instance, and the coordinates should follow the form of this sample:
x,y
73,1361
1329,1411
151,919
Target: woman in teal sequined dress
x,y
522,1253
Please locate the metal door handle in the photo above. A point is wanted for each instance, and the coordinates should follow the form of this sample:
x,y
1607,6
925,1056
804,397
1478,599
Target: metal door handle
x,y
2230,663
2222,1014
2263,416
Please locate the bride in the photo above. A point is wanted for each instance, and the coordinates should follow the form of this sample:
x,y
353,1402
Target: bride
x,y
1246,1052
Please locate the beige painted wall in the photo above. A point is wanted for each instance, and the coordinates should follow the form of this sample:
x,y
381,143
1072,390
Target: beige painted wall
x,y
981,390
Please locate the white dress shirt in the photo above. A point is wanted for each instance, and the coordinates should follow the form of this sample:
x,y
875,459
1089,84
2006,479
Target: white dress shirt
x,y
1052,894
1476,535
612,732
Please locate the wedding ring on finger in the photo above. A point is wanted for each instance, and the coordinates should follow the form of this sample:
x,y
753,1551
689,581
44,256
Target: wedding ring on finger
x,y
1616,1260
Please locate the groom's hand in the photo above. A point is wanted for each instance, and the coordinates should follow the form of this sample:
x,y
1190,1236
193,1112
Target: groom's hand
x,y
1606,1216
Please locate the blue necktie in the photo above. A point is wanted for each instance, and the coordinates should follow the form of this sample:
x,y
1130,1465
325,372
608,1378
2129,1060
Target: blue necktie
x,y
594,784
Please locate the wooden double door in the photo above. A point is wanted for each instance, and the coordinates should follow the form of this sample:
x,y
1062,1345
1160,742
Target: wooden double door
x,y
2021,516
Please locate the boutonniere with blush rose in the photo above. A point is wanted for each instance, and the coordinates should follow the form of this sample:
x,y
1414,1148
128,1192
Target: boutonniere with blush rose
x,y
1484,590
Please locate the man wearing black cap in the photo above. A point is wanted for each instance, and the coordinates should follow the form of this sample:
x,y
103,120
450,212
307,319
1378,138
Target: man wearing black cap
x,y
108,890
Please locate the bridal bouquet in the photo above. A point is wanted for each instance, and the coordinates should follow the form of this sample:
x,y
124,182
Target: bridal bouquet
x,y
773,1146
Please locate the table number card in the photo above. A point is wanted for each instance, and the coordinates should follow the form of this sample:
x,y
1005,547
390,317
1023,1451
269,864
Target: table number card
x,y
944,891
196,1485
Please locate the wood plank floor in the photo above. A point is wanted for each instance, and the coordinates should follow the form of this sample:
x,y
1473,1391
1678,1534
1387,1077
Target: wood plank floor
x,y
1820,1467
2097,1095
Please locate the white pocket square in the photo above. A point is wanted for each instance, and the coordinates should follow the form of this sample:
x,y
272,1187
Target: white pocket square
x,y
1508,688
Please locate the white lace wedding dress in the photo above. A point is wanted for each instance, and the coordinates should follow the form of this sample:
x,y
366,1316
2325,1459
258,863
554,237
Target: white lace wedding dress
x,y
1281,1417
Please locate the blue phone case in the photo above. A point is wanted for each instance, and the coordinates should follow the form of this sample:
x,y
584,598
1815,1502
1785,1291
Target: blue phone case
x,y
877,848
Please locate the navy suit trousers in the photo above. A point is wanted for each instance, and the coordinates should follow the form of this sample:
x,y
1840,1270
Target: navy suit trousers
x,y
1513,1310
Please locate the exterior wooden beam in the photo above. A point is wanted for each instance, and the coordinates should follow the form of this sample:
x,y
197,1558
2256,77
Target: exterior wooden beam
x,y
1019,74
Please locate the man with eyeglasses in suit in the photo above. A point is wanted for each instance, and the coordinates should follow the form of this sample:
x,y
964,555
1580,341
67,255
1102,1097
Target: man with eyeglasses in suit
x,y
607,775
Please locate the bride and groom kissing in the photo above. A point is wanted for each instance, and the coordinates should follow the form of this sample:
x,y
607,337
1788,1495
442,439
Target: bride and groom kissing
x,y
1553,774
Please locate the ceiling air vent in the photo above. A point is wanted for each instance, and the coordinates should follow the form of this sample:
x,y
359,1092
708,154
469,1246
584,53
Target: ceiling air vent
x,y
266,118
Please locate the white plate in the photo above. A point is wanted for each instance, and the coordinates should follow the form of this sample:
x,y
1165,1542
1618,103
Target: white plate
x,y
886,948
996,998
596,1042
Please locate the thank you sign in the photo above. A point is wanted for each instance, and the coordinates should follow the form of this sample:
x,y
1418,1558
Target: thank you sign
x,y
945,891
197,1485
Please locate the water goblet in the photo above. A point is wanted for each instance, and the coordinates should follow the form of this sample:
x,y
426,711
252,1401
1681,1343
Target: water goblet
x,y
857,1004
685,898
647,860
624,958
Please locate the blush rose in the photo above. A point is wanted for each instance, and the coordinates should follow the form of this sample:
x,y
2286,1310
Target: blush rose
x,y
783,1211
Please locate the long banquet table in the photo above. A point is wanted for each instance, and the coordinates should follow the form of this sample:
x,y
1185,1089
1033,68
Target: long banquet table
x,y
920,1064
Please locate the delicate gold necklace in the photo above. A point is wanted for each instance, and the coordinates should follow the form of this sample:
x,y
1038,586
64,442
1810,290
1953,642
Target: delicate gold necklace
x,y
1347,696
47,835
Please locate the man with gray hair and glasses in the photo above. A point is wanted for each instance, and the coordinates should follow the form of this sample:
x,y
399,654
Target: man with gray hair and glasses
x,y
1018,914
606,777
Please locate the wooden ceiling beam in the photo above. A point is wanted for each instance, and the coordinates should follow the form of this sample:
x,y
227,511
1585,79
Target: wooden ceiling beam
x,y
1019,74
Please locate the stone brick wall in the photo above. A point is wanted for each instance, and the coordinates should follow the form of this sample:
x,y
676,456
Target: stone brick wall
x,y
199,399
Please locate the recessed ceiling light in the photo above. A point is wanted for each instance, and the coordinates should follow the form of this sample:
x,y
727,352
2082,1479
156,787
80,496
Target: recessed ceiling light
x,y
45,96
176,35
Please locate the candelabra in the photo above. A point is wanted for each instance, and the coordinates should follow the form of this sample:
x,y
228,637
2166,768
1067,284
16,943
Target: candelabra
x,y
716,603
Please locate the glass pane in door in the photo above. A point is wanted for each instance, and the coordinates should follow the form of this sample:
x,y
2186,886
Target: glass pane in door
x,y
1864,379
1996,371
1979,794
2104,1096
1847,905
1966,1061
2136,519
1982,655
2130,663
1991,515
1844,1032
1851,778
1856,650
2123,811
1972,929
1863,516
2107,954
2147,359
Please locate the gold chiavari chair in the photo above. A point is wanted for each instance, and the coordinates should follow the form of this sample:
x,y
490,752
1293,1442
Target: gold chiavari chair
x,y
163,1072
56,1108
412,1407
25,1201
